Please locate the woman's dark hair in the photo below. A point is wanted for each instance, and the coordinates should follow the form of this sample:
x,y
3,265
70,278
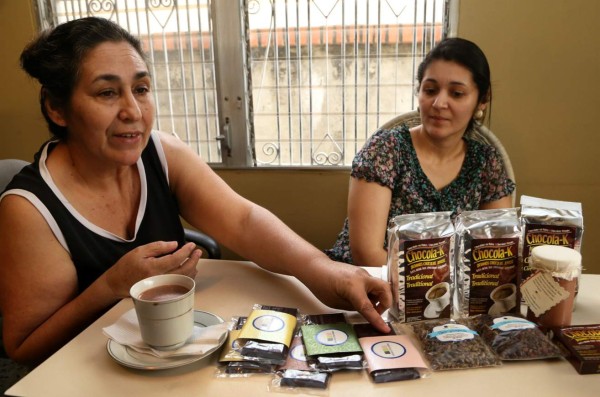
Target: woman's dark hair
x,y
467,54
54,58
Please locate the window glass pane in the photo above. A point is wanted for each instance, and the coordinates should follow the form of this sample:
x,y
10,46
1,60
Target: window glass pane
x,y
178,39
327,73
323,74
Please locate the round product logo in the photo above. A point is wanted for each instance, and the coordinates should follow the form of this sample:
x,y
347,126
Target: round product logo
x,y
268,323
388,349
331,337
452,333
510,323
297,353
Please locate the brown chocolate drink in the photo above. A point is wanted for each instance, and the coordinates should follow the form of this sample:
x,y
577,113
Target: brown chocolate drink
x,y
163,292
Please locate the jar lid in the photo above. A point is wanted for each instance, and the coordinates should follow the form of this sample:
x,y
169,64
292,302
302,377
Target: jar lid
x,y
563,262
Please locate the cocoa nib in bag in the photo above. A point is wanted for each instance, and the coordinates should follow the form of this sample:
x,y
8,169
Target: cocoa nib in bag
x,y
488,268
514,338
452,344
421,265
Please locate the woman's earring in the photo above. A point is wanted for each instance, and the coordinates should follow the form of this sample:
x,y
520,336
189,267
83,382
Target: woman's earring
x,y
478,115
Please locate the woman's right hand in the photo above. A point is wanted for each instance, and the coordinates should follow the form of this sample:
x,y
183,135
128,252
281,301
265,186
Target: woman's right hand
x,y
152,259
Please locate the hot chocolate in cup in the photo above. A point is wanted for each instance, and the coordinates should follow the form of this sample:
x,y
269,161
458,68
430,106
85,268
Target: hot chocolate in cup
x,y
438,296
164,306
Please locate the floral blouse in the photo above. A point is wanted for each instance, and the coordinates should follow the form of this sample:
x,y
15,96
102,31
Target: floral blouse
x,y
389,158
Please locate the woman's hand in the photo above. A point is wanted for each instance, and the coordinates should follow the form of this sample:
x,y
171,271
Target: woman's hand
x,y
151,260
254,233
368,295
353,288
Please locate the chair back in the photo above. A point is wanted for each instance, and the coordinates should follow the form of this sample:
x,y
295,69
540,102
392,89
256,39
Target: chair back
x,y
8,169
479,133
11,371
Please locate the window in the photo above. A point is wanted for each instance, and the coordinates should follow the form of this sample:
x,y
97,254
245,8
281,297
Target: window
x,y
275,82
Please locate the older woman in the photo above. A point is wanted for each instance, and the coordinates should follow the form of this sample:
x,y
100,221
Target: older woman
x,y
99,208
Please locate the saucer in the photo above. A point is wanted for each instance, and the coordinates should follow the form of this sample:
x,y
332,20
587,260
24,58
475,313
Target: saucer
x,y
497,309
132,359
431,312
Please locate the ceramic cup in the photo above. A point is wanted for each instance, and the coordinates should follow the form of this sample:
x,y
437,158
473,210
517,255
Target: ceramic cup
x,y
438,296
164,306
504,297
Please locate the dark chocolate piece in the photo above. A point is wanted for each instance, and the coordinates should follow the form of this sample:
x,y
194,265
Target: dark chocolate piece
x,y
295,378
393,375
248,367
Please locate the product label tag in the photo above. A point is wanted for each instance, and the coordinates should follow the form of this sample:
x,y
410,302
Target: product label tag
x,y
509,323
427,292
494,273
540,234
269,326
320,339
452,333
391,352
541,292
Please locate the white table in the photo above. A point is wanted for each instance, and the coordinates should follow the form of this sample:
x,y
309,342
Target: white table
x,y
229,288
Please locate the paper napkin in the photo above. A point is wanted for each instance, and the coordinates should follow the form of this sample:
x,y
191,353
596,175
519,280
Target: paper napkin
x,y
126,331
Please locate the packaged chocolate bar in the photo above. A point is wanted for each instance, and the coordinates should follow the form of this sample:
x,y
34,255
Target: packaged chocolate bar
x,y
296,372
488,269
232,363
390,357
420,266
267,334
304,379
582,346
331,343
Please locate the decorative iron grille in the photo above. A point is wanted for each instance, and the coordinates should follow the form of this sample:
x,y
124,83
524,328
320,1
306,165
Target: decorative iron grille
x,y
321,75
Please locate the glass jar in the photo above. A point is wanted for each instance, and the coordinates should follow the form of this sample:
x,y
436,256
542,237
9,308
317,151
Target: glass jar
x,y
564,265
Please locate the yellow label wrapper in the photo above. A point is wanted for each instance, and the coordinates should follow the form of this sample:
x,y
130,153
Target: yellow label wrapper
x,y
269,326
229,352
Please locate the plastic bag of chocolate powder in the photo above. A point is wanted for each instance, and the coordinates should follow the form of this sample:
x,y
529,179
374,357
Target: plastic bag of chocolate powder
x,y
549,222
420,266
488,262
